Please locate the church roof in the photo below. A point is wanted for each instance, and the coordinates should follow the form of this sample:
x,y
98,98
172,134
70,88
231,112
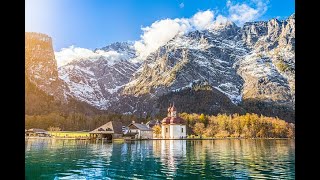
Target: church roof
x,y
173,120
177,120
173,108
166,120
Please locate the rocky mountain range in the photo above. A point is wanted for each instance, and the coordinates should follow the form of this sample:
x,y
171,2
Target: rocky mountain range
x,y
223,69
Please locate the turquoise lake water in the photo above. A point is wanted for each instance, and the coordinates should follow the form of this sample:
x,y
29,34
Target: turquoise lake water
x,y
160,159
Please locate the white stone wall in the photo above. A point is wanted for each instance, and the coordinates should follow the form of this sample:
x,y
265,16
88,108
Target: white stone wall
x,y
184,133
165,134
176,131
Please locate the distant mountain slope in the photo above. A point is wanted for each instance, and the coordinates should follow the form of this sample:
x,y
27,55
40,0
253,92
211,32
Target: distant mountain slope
x,y
242,69
45,92
99,79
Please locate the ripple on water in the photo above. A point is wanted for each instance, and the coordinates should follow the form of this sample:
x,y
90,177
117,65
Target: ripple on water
x,y
216,159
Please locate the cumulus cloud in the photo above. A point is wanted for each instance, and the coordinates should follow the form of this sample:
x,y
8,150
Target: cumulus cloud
x,y
241,13
220,20
66,55
160,32
181,5
202,20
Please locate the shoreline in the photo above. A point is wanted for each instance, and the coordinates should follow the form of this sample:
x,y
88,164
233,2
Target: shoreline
x,y
87,139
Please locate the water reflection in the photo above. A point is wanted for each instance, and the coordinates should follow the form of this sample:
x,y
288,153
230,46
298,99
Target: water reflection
x,y
171,159
169,152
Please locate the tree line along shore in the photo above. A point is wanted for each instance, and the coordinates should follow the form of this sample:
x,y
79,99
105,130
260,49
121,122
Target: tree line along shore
x,y
198,125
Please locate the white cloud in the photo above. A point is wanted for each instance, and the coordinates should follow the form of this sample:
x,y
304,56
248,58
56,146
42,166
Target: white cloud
x,y
160,32
181,5
229,3
202,20
220,20
241,13
66,55
71,53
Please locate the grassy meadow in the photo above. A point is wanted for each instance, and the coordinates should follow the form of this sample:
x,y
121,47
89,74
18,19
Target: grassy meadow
x,y
69,134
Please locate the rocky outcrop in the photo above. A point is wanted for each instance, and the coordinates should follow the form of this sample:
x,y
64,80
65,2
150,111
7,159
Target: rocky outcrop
x,y
41,66
268,70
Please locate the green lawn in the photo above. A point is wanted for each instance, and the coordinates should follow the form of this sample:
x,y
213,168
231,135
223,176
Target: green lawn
x,y
69,134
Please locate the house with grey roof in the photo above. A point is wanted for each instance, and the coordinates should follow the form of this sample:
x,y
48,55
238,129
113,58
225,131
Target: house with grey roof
x,y
142,130
108,131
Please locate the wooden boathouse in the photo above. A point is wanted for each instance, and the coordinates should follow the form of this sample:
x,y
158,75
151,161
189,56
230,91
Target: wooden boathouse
x,y
108,131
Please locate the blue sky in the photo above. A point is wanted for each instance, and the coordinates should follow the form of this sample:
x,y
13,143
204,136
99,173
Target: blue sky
x,y
92,24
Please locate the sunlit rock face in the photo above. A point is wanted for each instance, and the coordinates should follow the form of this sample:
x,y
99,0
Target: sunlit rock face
x,y
41,66
269,69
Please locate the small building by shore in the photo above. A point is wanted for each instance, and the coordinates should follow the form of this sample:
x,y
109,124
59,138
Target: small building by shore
x,y
142,130
108,131
37,133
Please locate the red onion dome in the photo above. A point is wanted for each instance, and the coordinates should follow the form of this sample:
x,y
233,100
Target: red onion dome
x,y
166,120
177,120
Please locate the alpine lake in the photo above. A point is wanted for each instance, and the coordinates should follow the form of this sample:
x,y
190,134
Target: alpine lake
x,y
160,159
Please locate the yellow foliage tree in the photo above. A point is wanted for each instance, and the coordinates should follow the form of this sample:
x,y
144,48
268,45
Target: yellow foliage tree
x,y
199,129
156,130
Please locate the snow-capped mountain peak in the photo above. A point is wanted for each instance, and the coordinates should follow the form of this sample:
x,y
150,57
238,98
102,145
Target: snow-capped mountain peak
x,y
235,66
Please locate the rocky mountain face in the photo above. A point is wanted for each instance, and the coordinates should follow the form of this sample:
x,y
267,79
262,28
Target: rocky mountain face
x,y
99,79
45,92
268,70
41,66
206,56
253,66
224,69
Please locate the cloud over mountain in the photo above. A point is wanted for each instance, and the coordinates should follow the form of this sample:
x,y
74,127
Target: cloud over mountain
x,y
71,53
241,13
161,31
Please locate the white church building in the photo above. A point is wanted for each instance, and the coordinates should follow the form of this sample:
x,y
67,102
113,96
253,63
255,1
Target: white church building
x,y
173,127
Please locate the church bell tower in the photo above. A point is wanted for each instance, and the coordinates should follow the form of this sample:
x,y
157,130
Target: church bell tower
x,y
173,111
